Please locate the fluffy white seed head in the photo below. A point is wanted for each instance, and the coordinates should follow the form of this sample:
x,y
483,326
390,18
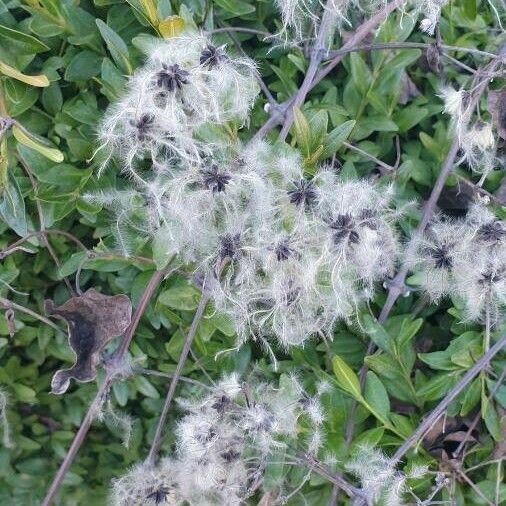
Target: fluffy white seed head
x,y
431,10
227,437
144,485
464,259
379,478
435,254
185,84
479,147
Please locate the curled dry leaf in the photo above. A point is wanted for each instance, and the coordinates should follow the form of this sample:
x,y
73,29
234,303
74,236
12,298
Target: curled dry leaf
x,y
93,320
497,109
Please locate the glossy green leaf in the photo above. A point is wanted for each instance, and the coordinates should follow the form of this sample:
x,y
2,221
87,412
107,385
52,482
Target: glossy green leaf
x,y
346,377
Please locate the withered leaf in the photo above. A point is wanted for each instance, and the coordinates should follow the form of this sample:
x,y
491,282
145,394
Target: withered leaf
x,y
408,89
497,109
93,320
433,58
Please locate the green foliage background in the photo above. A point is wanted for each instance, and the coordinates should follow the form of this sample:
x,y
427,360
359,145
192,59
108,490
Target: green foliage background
x,y
86,48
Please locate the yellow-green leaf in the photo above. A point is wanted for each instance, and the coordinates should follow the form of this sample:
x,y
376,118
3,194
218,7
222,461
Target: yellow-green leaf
x,y
40,81
346,377
149,8
4,161
28,140
171,26
302,131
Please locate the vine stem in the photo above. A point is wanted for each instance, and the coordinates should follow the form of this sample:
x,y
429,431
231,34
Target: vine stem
x,y
430,420
285,110
397,285
157,440
104,389
8,304
324,33
42,223
358,36
338,481
206,295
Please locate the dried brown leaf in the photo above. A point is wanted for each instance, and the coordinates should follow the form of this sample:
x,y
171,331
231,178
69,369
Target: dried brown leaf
x,y
93,320
497,109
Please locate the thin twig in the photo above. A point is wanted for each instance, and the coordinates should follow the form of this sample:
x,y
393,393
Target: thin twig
x,y
155,445
386,166
150,372
268,95
478,416
320,469
240,29
430,420
40,212
8,304
405,45
324,32
103,391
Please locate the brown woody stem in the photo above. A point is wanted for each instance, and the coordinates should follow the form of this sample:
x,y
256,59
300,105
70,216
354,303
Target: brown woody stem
x,y
104,389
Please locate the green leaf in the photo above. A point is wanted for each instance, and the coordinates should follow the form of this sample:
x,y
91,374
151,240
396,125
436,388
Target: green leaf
x,y
12,206
346,377
376,395
161,254
492,421
236,7
471,397
384,365
378,124
408,330
469,8
39,81
24,393
360,73
182,296
402,424
36,143
116,46
378,334
302,131
370,437
52,99
437,387
20,97
336,137
146,388
85,65
318,123
23,42
410,116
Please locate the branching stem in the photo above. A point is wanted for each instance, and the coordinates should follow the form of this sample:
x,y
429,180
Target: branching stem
x,y
104,389
430,420
157,440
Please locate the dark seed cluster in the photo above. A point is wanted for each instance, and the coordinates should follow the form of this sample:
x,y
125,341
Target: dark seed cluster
x,y
171,77
143,126
345,230
229,245
303,193
212,56
441,255
215,180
